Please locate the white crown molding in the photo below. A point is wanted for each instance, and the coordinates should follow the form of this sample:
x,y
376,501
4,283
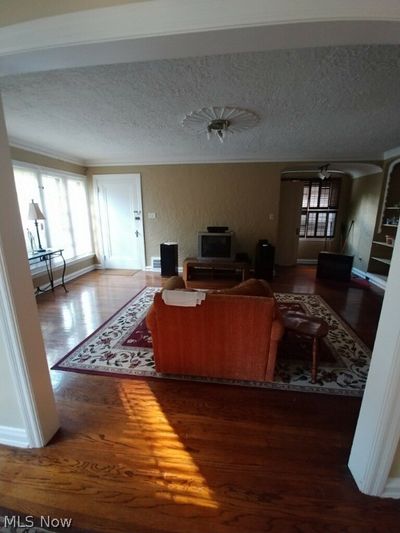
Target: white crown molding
x,y
168,17
351,167
162,29
30,147
357,170
394,152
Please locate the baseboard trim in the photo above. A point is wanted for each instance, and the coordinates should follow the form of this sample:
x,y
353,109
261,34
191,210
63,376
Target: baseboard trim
x,y
149,268
375,280
14,437
307,261
392,488
69,277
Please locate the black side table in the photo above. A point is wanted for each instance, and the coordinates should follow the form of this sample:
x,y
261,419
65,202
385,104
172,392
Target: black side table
x,y
47,257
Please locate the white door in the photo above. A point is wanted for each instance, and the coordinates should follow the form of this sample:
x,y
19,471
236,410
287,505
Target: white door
x,y
119,202
291,198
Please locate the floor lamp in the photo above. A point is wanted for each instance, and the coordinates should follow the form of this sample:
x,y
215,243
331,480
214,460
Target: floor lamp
x,y
36,214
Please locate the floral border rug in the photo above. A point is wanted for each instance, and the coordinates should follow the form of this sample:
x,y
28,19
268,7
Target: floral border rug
x,y
122,347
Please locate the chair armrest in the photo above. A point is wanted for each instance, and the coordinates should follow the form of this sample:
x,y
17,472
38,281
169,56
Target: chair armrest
x,y
277,330
175,282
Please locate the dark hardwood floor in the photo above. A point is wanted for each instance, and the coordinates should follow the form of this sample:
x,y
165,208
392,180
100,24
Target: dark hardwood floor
x,y
143,456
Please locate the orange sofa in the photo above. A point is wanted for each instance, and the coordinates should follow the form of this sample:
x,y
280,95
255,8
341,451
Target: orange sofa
x,y
232,334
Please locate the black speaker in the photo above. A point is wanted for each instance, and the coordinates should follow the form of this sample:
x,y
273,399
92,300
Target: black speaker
x,y
264,260
169,259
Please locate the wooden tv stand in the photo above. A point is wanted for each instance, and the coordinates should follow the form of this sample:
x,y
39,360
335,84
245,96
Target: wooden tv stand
x,y
214,272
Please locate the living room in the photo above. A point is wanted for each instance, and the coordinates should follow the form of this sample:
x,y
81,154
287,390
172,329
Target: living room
x,y
220,184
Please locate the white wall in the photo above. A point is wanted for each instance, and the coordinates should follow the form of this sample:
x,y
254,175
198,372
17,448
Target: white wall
x,y
377,433
10,414
26,395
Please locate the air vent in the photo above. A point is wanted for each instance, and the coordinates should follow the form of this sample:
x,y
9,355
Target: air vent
x,y
156,263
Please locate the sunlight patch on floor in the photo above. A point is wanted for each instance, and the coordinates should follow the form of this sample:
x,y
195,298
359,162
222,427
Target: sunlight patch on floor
x,y
154,439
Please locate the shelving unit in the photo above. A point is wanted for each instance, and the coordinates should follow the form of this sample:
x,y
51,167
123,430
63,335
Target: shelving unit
x,y
381,249
381,260
383,243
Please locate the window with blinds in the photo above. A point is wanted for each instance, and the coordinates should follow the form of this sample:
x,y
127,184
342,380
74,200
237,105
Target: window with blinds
x,y
319,209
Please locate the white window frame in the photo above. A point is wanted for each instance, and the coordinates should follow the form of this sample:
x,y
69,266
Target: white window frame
x,y
62,174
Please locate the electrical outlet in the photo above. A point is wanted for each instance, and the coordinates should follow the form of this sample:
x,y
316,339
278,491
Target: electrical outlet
x,y
152,215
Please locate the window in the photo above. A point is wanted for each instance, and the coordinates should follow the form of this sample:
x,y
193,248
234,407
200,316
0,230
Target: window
x,y
63,200
319,209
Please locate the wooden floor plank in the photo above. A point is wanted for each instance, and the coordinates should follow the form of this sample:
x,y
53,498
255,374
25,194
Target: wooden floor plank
x,y
154,456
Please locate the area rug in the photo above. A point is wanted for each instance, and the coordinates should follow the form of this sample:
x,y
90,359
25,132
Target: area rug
x,y
122,347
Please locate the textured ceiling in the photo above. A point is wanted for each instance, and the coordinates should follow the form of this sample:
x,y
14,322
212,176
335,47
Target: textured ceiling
x,y
334,103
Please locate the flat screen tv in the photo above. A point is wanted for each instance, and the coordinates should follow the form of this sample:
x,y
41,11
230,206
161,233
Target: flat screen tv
x,y
212,245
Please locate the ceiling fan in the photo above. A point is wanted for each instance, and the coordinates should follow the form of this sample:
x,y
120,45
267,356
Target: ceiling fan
x,y
323,172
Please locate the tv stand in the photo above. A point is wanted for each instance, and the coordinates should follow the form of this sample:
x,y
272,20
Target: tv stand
x,y
214,272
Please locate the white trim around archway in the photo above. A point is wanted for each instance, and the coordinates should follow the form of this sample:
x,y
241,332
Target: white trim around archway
x,y
377,433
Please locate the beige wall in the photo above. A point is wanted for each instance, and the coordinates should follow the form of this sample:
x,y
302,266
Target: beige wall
x,y
188,198
363,209
13,12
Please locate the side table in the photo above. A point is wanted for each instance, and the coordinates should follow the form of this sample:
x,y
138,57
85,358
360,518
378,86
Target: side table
x,y
47,257
309,326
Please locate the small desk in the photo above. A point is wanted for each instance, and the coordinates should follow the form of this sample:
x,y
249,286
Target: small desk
x,y
47,257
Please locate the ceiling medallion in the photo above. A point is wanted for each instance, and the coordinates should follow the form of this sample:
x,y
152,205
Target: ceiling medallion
x,y
220,121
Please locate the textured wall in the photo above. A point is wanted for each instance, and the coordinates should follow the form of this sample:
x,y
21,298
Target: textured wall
x,y
363,209
188,198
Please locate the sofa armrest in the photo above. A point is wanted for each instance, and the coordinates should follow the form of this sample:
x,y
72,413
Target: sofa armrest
x,y
174,282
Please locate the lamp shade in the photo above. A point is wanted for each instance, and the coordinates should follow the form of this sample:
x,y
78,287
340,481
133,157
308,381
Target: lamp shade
x,y
34,212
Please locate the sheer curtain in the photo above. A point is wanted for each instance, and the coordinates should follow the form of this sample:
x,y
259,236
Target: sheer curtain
x,y
64,202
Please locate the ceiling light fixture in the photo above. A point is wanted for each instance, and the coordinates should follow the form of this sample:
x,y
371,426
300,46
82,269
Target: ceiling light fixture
x,y
324,172
220,121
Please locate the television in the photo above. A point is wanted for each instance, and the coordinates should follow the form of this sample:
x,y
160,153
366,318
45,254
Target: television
x,y
215,245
